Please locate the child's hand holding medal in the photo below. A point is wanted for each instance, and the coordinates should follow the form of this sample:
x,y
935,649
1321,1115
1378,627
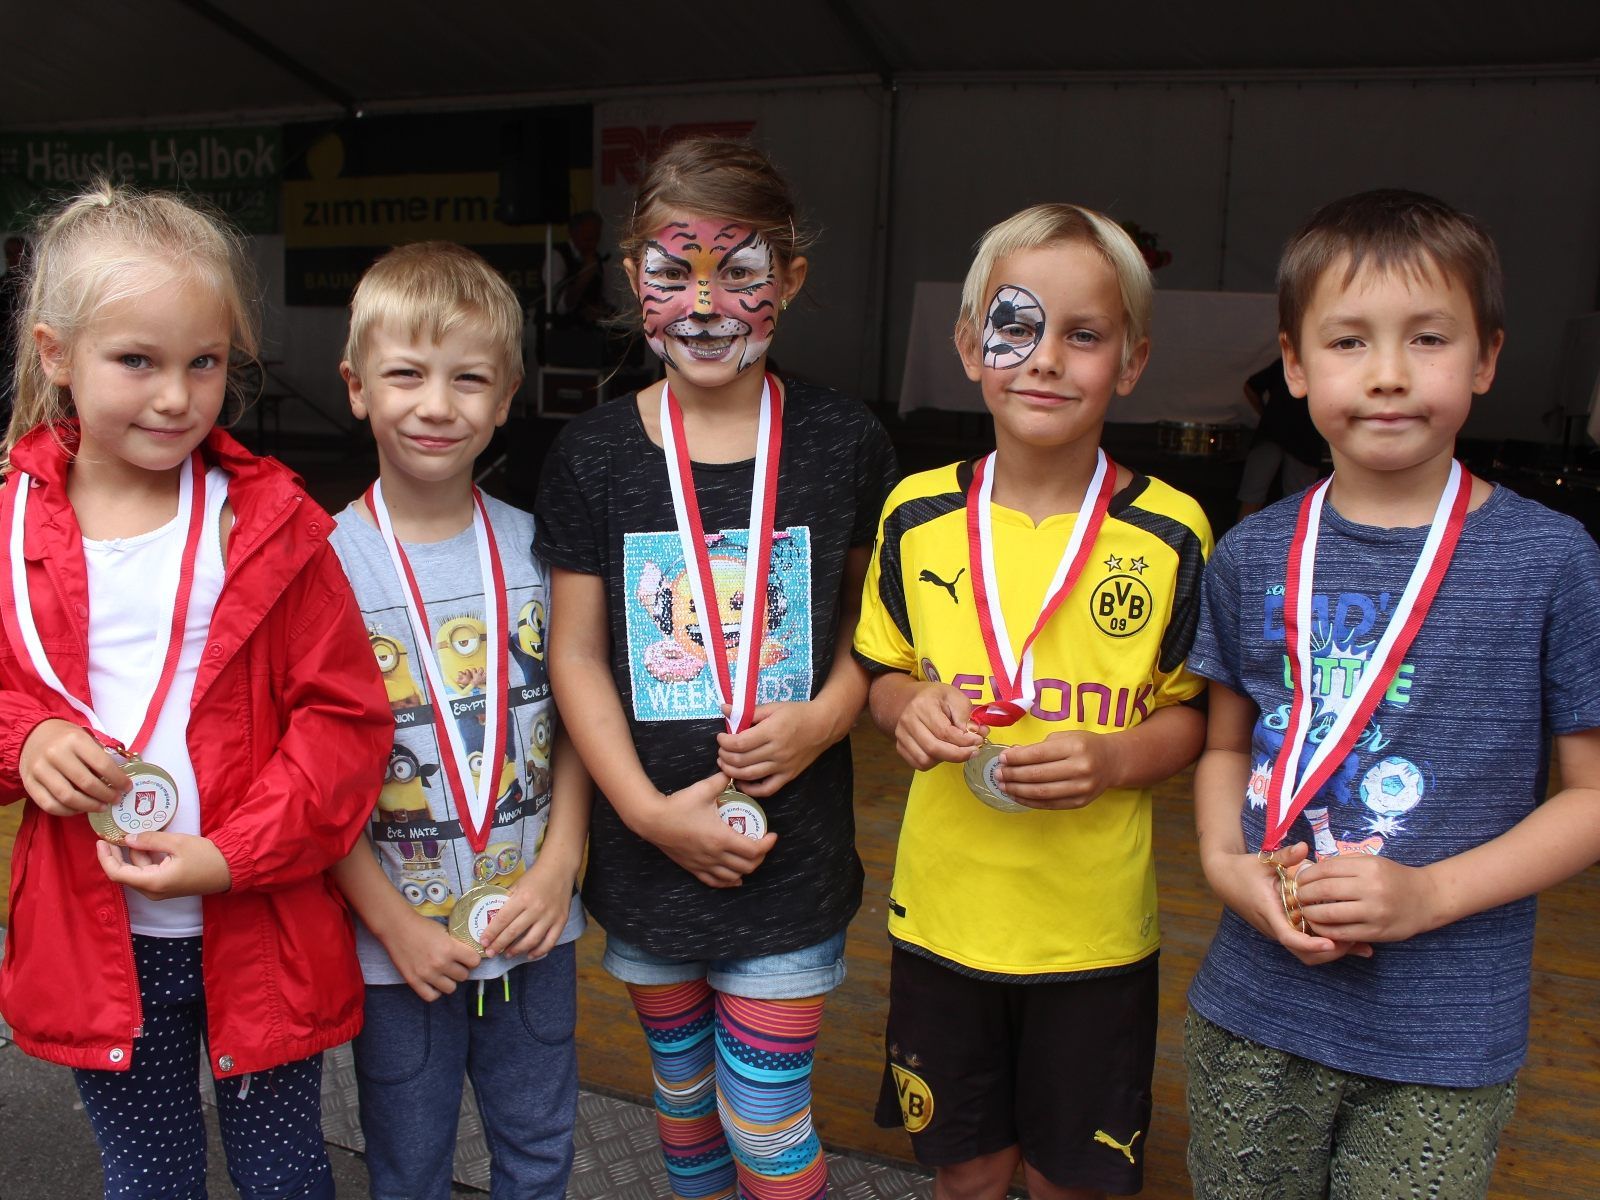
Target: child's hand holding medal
x,y
1283,914
65,770
534,914
936,726
686,826
1066,770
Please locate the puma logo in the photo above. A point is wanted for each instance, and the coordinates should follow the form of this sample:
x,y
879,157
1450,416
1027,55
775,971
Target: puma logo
x,y
930,577
1126,1148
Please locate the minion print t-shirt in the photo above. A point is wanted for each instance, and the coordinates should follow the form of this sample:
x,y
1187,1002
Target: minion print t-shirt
x,y
415,830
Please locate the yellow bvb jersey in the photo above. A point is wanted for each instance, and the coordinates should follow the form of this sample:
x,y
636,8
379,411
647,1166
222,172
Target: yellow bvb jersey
x,y
1035,893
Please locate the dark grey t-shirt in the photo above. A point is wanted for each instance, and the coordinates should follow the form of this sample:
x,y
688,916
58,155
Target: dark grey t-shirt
x,y
1455,755
605,508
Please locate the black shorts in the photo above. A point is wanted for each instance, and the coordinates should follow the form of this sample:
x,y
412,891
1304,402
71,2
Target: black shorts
x,y
1060,1069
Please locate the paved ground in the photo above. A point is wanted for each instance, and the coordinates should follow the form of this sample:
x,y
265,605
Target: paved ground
x,y
48,1153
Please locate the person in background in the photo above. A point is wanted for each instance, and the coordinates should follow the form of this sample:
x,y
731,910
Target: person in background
x,y
580,293
1286,448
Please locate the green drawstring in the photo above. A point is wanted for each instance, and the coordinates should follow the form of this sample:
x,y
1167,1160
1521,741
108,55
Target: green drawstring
x,y
505,981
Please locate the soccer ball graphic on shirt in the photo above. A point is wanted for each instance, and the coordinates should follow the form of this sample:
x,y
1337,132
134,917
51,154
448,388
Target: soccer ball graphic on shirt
x,y
1260,781
1391,787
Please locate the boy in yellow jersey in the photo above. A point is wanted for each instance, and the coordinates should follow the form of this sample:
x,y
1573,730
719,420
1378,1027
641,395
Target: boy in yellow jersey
x,y
1027,616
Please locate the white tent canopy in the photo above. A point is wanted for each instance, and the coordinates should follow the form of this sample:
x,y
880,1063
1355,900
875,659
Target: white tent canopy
x,y
76,63
908,129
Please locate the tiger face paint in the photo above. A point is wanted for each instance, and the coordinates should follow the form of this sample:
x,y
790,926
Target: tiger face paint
x,y
708,290
1012,328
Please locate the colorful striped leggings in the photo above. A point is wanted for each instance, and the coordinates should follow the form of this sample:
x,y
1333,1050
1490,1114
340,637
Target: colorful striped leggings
x,y
733,1092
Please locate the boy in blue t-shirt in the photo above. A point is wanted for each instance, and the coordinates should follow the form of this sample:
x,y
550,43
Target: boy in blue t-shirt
x,y
1357,1025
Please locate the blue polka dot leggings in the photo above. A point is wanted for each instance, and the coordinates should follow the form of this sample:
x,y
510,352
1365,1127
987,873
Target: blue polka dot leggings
x,y
148,1120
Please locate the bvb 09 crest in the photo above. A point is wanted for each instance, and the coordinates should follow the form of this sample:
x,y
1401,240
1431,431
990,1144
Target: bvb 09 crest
x,y
1121,605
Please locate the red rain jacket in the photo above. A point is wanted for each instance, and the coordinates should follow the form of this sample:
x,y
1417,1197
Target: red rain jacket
x,y
289,733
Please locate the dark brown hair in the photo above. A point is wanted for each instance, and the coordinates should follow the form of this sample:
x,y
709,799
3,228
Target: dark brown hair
x,y
716,177
1391,230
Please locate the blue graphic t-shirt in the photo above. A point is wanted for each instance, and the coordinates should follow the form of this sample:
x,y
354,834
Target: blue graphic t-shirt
x,y
671,675
1455,755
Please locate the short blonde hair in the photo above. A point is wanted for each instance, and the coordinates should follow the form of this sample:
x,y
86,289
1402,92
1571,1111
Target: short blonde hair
x,y
429,290
1047,225
108,244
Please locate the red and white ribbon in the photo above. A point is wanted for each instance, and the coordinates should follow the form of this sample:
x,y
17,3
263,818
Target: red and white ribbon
x,y
475,808
16,607
1013,674
1289,791
758,550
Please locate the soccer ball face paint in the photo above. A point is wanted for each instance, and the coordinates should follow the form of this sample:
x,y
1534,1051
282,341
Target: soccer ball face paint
x,y
1012,328
709,294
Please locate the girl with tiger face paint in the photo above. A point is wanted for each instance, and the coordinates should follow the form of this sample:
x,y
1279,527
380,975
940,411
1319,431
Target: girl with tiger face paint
x,y
709,292
713,253
713,256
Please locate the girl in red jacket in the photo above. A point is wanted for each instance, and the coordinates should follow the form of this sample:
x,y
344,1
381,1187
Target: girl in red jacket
x,y
189,711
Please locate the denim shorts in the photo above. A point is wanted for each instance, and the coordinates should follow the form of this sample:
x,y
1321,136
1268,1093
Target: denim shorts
x,y
794,974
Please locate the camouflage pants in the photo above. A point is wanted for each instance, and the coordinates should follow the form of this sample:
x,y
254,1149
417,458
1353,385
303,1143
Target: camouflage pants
x,y
1268,1125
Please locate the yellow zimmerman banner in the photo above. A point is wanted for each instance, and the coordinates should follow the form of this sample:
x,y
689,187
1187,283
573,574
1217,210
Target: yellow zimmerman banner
x,y
386,210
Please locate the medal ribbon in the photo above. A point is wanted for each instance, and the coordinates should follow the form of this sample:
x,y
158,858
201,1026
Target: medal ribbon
x,y
474,808
758,549
16,606
1013,675
1285,798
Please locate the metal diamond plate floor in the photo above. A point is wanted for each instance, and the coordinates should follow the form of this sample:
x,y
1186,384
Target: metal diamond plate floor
x,y
616,1157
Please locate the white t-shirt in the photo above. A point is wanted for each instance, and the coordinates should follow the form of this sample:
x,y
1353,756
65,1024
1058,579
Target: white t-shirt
x,y
133,585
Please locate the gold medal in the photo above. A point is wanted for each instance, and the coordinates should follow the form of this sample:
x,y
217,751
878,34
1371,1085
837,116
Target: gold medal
x,y
1288,893
980,775
742,814
149,805
469,918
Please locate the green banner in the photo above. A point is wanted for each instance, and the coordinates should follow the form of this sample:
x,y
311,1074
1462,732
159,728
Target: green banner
x,y
239,170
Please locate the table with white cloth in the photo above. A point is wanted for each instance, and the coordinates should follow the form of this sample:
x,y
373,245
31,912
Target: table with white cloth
x,y
1578,372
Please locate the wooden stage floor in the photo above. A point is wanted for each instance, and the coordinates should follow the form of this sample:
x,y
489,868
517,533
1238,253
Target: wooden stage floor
x,y
1551,1150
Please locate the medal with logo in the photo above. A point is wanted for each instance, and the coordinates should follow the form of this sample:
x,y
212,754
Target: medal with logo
x,y
152,800
1288,791
741,813
470,915
1013,674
